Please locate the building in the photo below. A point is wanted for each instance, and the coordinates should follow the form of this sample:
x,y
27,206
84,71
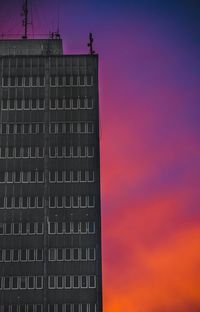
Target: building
x,y
50,225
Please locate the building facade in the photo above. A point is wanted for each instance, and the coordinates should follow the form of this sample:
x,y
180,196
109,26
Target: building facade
x,y
50,223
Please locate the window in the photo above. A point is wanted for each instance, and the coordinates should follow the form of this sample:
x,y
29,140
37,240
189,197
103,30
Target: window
x,y
15,255
67,254
91,254
52,254
39,254
31,282
92,281
51,282
38,282
23,282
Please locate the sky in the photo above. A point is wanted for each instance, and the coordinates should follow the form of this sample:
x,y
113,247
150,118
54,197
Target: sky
x,y
149,75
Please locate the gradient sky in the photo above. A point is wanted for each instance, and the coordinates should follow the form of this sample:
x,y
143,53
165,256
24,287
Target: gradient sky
x,y
150,141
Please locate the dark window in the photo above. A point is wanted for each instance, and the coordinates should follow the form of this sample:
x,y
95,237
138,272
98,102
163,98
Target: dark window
x,y
15,255
40,152
39,254
76,227
24,228
60,228
26,128
59,281
59,151
14,285
33,176
41,104
68,254
2,176
60,254
31,228
30,307
8,255
59,307
31,255
83,254
52,201
40,228
53,104
90,127
59,175
83,227
1,202
4,126
52,227
67,227
60,104
32,202
34,104
67,281
9,202
38,308
82,127
33,128
59,200
18,131
14,308
84,307
41,128
19,104
26,104
16,228
40,176
23,282
76,281
40,202
38,282
1,228
75,254
92,281
91,253
75,307
8,228
84,282
6,286
12,104
91,227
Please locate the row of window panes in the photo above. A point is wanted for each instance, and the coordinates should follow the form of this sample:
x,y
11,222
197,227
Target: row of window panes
x,y
75,201
33,104
21,282
71,227
72,254
66,307
34,81
54,128
24,228
71,176
55,254
72,281
13,81
71,103
39,104
54,176
54,152
21,255
84,307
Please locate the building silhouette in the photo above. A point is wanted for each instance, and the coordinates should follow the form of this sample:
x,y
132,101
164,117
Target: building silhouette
x,y
50,225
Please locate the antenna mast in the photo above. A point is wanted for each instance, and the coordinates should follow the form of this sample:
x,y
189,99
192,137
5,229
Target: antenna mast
x,y
25,20
90,44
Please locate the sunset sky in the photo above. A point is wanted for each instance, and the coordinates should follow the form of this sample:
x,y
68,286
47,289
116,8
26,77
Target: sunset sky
x,y
149,81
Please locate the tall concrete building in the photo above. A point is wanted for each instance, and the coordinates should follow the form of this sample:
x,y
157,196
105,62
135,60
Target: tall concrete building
x,y
50,225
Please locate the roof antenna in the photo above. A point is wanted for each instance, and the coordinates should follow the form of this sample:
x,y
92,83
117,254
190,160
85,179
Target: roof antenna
x,y
25,20
90,44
